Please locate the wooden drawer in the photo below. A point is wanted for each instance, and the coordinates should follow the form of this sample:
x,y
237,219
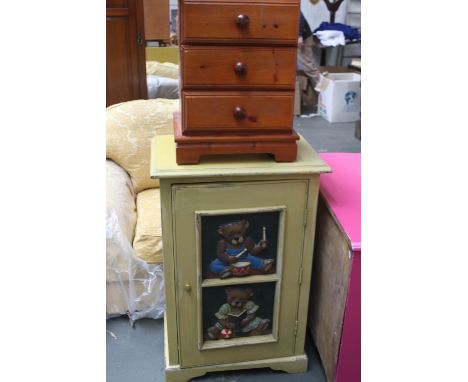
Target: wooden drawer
x,y
215,112
238,67
271,22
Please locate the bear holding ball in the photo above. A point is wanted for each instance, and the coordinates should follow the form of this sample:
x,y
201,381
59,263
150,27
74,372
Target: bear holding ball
x,y
238,315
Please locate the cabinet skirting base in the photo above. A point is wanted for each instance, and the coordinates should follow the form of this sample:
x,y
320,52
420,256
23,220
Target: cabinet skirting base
x,y
189,149
294,364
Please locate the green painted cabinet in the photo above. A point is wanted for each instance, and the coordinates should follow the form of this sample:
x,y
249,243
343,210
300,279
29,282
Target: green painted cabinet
x,y
238,239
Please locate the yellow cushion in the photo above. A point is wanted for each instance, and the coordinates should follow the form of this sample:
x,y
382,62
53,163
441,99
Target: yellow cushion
x,y
130,128
162,69
148,236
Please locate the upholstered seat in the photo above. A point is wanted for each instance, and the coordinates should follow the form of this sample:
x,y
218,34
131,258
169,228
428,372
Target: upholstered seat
x,y
134,277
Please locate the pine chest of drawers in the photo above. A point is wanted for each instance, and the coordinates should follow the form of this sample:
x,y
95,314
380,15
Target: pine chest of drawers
x,y
238,67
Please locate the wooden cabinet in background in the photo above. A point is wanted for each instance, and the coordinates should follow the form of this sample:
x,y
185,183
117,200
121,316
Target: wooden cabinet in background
x,y
157,16
125,51
238,69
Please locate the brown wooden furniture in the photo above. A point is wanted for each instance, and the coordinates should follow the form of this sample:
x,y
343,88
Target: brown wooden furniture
x,y
238,67
125,51
156,14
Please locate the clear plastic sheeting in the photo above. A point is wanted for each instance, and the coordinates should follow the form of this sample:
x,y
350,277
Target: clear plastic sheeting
x,y
133,287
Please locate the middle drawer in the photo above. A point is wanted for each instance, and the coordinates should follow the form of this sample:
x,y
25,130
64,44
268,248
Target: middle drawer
x,y
238,67
243,112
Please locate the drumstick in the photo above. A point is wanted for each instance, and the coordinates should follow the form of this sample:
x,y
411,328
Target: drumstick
x,y
240,254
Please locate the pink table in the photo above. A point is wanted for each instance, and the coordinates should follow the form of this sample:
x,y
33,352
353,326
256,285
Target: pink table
x,y
335,313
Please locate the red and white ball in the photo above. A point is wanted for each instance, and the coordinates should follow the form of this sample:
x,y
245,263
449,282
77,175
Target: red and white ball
x,y
226,333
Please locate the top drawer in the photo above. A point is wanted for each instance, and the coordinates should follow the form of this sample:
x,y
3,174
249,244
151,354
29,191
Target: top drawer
x,y
239,22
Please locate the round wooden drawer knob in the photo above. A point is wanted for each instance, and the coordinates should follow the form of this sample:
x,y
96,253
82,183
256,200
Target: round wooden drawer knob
x,y
240,69
242,21
239,113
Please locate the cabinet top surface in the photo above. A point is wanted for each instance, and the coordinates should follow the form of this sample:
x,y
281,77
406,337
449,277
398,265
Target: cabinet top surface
x,y
163,163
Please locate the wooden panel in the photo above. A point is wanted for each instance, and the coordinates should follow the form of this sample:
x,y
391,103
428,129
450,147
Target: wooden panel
x,y
330,282
119,66
271,23
156,13
117,12
125,58
216,67
189,199
214,111
116,4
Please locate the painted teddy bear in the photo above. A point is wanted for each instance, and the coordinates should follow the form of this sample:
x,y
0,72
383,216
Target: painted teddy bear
x,y
236,246
238,315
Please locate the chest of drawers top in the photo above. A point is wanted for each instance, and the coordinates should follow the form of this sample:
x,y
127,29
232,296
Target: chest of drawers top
x,y
240,22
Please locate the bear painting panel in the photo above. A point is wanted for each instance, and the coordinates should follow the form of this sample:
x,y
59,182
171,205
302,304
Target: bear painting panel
x,y
238,311
240,244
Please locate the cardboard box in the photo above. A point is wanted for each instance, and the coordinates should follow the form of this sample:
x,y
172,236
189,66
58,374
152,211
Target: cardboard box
x,y
340,97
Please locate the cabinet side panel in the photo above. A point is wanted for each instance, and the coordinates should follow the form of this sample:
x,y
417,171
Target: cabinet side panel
x,y
169,273
307,257
331,270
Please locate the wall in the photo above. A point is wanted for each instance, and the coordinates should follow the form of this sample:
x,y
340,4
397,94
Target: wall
x,y
353,18
317,13
349,13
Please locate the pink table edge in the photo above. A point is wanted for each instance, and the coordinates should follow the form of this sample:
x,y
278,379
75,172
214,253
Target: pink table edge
x,y
341,190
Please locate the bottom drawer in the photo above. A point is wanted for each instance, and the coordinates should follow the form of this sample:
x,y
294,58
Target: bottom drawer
x,y
237,111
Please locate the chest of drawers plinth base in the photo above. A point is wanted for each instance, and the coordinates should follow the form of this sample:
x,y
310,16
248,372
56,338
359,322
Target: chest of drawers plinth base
x,y
189,149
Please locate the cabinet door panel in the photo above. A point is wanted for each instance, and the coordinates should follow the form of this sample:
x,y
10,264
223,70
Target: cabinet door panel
x,y
233,198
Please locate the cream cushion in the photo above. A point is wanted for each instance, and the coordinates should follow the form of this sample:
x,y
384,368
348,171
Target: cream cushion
x,y
130,128
148,236
162,69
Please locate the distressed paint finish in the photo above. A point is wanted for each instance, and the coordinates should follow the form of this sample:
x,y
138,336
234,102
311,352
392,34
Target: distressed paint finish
x,y
228,184
187,200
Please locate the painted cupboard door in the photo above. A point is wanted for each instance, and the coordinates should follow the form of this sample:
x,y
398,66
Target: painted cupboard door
x,y
238,254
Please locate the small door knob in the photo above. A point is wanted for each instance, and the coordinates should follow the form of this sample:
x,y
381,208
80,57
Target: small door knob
x,y
188,287
240,69
239,113
242,21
